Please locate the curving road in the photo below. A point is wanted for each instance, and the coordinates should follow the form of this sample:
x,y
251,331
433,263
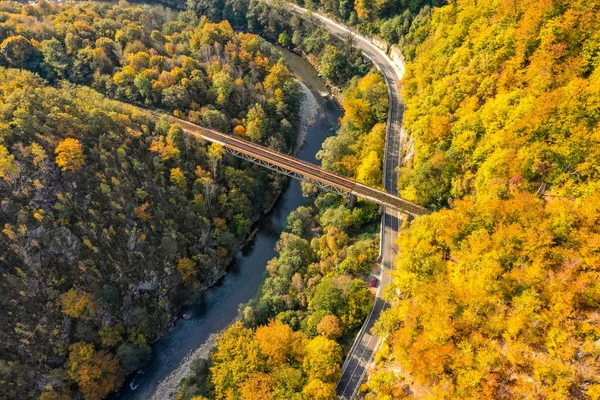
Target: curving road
x,y
363,350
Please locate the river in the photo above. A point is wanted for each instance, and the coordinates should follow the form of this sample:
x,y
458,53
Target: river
x,y
172,353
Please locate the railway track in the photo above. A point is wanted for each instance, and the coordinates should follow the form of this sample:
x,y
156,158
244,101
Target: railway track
x,y
297,167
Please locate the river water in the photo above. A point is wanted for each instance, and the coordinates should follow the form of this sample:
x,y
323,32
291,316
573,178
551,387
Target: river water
x,y
219,307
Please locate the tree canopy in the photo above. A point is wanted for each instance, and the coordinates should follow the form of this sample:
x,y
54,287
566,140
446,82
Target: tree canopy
x,y
274,362
495,295
110,220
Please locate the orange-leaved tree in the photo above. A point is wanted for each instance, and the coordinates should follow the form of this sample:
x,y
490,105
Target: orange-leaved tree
x,y
97,373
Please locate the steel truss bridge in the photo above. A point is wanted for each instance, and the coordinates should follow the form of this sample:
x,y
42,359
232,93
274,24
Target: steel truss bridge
x,y
298,169
288,172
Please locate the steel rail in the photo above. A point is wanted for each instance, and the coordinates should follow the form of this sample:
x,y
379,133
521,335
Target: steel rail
x,y
295,168
298,169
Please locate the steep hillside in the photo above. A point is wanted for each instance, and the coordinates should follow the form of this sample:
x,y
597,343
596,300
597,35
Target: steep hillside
x,y
497,295
111,222
397,22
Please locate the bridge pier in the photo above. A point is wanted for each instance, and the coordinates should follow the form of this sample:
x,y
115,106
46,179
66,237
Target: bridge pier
x,y
297,169
351,200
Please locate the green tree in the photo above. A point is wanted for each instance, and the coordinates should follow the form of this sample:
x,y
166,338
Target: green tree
x,y
133,356
327,297
20,52
55,56
358,305
284,39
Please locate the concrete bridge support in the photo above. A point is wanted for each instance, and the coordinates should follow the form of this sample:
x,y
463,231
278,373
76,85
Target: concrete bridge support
x,y
304,171
351,200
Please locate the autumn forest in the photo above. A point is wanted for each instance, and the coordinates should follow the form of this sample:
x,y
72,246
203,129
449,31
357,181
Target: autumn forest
x,y
113,221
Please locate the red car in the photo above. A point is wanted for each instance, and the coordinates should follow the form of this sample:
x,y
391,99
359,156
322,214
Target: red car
x,y
373,282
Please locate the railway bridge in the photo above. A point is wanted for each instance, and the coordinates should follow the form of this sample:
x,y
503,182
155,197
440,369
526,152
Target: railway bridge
x,y
298,169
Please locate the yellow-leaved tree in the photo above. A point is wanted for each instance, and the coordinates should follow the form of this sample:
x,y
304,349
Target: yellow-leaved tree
x,y
9,170
323,359
178,179
316,389
78,304
279,343
69,154
369,170
186,267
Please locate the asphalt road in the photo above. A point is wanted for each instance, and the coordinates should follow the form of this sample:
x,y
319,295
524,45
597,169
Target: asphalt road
x,y
361,355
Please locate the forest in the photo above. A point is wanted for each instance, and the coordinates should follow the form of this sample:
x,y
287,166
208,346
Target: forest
x,y
396,22
293,334
496,295
337,60
357,149
111,221
290,340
